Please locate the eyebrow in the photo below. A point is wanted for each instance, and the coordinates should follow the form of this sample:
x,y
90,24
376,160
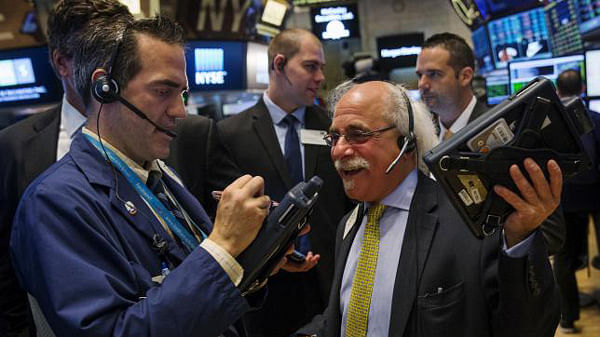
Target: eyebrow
x,y
169,83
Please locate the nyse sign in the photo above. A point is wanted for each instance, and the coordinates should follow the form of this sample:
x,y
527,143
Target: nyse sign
x,y
217,18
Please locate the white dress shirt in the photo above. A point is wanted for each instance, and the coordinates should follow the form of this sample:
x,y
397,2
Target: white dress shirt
x,y
461,121
71,120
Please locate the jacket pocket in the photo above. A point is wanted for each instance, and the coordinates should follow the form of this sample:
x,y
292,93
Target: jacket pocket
x,y
441,312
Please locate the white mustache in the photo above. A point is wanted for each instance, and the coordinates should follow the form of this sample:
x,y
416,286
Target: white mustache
x,y
354,163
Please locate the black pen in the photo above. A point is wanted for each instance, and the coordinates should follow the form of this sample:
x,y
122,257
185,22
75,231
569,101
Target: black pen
x,y
217,196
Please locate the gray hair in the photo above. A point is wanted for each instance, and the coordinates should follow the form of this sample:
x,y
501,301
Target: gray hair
x,y
397,113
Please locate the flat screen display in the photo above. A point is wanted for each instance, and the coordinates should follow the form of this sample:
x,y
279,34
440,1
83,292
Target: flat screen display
x,y
26,78
589,15
519,36
496,87
564,30
592,70
482,50
215,65
521,72
335,22
399,51
497,7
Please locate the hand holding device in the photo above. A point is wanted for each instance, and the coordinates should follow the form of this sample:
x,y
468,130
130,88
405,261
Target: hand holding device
x,y
240,214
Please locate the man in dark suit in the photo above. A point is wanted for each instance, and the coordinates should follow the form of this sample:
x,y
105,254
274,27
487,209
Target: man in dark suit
x,y
31,146
262,143
445,67
411,267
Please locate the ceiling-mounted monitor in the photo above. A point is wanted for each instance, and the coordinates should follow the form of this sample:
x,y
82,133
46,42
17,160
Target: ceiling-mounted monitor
x,y
589,17
563,28
335,22
519,36
26,78
399,51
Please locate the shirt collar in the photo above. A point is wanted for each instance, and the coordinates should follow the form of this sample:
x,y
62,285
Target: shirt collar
x,y
402,195
70,118
278,114
141,172
462,120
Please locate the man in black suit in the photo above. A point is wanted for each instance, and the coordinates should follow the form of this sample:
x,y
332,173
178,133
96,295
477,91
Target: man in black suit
x,y
29,147
412,267
445,68
262,143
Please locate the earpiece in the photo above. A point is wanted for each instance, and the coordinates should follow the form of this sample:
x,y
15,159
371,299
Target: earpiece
x,y
407,143
105,89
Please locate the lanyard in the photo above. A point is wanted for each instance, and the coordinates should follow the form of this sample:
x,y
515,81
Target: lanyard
x,y
186,238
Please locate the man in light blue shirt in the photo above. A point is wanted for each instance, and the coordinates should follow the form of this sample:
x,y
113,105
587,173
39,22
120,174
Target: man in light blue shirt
x,y
406,264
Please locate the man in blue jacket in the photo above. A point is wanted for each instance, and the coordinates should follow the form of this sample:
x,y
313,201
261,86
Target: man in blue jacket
x,y
107,241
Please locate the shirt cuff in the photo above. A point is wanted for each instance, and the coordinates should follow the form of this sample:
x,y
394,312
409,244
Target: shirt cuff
x,y
520,249
229,264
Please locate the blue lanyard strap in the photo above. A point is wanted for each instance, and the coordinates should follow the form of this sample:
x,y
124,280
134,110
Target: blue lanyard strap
x,y
186,237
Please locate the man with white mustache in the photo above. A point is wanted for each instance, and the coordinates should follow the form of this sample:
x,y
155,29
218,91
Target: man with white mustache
x,y
406,264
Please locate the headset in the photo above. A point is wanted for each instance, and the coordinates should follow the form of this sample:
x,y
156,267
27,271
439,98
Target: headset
x,y
407,143
281,67
106,90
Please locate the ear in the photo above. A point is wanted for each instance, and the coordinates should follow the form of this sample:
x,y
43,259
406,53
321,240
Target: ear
x,y
62,64
278,62
465,76
97,73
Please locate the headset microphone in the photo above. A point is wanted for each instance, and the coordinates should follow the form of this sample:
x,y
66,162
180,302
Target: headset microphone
x,y
143,116
409,143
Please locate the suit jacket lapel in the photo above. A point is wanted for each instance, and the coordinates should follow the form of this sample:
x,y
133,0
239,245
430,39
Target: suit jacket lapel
x,y
421,227
263,125
40,149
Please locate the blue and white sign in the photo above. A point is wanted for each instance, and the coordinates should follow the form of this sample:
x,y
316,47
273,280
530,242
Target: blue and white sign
x,y
215,65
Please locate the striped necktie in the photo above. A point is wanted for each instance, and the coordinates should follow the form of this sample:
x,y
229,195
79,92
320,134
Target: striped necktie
x,y
364,277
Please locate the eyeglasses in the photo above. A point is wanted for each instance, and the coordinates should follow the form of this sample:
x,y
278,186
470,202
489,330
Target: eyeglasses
x,y
354,136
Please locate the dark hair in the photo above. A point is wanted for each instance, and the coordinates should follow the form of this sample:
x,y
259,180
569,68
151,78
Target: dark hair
x,y
461,55
287,43
120,43
569,83
68,18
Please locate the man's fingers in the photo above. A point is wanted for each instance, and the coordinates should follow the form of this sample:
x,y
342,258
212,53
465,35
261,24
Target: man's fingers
x,y
556,179
542,188
527,191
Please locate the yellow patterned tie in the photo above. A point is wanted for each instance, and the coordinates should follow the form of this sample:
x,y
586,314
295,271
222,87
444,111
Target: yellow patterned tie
x,y
364,277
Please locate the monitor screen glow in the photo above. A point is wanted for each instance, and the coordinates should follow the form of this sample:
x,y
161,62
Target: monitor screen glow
x,y
592,69
215,65
26,78
519,36
521,72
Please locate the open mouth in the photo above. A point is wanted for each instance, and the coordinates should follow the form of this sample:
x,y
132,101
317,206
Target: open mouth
x,y
351,172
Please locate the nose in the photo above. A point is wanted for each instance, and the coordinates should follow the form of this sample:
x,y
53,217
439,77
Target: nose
x,y
319,76
177,108
341,149
423,83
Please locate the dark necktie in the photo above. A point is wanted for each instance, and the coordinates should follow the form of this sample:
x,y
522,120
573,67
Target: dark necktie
x,y
293,157
157,187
